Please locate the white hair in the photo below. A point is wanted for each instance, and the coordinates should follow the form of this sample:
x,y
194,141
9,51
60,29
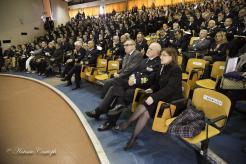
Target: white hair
x,y
78,43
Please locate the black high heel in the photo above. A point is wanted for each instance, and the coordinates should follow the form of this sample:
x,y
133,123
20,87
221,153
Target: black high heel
x,y
130,143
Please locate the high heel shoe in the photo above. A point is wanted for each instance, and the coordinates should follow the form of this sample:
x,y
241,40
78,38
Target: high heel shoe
x,y
121,127
130,143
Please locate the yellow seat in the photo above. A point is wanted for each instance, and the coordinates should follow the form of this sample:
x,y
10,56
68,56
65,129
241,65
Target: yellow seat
x,y
166,111
180,58
212,131
84,70
101,66
138,97
195,68
185,76
193,39
216,108
109,53
217,72
113,67
169,121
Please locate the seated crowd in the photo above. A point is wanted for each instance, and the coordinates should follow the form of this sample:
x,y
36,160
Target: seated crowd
x,y
152,65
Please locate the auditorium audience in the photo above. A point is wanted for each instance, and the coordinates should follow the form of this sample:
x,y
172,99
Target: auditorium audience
x,y
71,47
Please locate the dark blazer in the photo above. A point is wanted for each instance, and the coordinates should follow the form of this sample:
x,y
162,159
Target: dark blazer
x,y
218,54
147,71
230,32
201,46
142,45
168,86
91,57
181,44
130,63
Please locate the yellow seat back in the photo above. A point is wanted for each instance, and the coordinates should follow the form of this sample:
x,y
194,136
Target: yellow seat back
x,y
192,64
185,89
109,53
212,103
101,64
192,39
218,69
180,58
195,63
113,66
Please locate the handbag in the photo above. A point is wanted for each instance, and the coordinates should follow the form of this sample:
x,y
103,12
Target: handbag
x,y
188,124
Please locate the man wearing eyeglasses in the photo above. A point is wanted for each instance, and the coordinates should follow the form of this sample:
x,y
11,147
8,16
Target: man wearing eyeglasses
x,y
130,63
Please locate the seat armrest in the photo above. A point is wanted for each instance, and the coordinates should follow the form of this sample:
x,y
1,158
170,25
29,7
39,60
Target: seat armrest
x,y
214,120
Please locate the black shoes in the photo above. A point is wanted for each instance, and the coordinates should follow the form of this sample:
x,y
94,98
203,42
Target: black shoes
x,y
77,87
117,109
105,126
93,114
130,143
68,84
64,79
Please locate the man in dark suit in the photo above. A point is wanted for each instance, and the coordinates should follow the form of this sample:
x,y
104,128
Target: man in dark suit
x,y
229,29
123,89
212,30
180,41
115,47
130,63
142,45
199,46
75,62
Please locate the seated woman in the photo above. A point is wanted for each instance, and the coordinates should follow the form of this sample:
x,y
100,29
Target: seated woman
x,y
168,87
217,51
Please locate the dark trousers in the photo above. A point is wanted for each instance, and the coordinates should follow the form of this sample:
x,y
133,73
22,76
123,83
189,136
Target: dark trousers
x,y
22,64
115,90
41,66
76,69
106,86
104,106
124,100
68,67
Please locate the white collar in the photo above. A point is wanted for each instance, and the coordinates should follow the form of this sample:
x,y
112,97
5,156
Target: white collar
x,y
131,52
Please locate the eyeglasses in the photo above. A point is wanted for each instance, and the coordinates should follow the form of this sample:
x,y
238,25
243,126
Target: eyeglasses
x,y
126,45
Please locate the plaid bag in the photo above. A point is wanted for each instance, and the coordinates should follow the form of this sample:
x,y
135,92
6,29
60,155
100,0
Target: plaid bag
x,y
188,124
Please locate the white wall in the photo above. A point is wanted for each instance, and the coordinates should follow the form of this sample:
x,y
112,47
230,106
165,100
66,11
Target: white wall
x,y
18,16
95,3
59,10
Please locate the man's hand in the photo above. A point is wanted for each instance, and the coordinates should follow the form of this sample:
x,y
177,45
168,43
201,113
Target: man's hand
x,y
69,60
149,100
149,90
131,82
116,75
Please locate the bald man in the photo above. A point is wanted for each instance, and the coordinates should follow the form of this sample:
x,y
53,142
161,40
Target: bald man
x,y
123,89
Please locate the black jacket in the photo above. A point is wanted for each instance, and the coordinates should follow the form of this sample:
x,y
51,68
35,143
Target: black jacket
x,y
168,86
91,57
218,54
80,55
147,71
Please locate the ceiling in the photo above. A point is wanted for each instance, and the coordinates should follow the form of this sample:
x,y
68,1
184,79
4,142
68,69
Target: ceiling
x,y
75,2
